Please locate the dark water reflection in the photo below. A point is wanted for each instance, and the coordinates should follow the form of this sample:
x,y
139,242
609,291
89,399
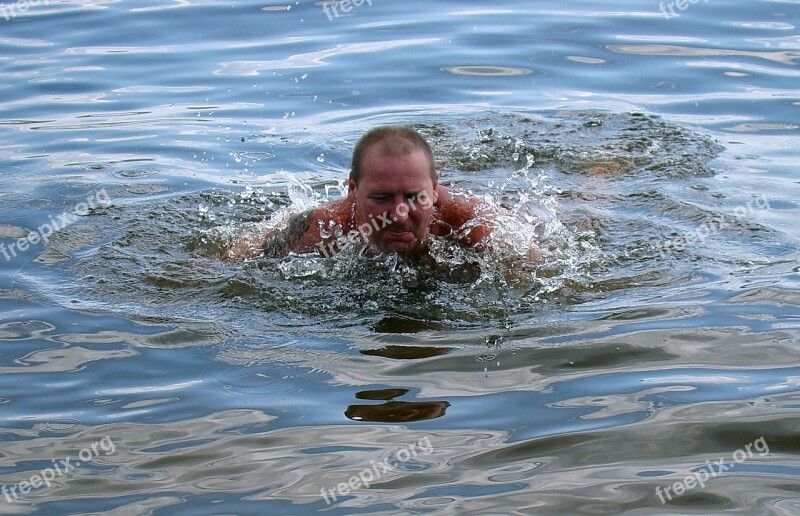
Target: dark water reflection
x,y
406,352
396,411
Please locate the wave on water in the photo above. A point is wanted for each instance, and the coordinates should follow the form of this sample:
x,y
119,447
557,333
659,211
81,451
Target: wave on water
x,y
583,198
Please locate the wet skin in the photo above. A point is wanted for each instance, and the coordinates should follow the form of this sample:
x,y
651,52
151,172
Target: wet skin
x,y
395,194
396,188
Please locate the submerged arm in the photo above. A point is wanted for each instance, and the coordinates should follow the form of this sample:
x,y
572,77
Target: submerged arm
x,y
298,235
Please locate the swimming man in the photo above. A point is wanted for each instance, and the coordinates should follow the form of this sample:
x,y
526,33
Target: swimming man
x,y
394,204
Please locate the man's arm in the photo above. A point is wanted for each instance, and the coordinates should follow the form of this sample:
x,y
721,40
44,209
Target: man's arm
x,y
294,237
298,235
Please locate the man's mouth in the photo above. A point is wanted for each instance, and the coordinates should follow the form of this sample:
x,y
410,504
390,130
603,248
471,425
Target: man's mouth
x,y
396,234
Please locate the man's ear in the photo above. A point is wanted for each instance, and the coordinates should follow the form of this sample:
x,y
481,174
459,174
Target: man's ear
x,y
351,186
436,188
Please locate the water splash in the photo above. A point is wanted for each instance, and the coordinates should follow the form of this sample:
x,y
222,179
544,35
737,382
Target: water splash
x,y
564,233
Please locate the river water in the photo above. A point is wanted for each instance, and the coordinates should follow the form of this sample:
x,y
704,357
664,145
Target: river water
x,y
647,363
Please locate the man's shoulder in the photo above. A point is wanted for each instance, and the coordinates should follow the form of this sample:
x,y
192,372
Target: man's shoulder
x,y
302,231
290,237
455,208
464,215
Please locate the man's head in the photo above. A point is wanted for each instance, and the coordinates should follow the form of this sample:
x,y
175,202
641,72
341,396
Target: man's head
x,y
394,140
394,186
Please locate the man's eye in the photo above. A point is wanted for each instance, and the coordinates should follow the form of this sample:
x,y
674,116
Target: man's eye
x,y
380,198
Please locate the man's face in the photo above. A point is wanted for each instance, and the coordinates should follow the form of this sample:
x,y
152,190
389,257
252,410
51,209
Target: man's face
x,y
396,194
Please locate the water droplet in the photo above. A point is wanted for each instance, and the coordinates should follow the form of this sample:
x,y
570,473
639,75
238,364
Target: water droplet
x,y
530,158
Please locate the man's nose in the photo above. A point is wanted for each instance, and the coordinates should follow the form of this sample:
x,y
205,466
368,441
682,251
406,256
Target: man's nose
x,y
400,211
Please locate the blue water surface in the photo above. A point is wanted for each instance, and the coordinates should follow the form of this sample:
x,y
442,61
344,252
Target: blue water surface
x,y
146,133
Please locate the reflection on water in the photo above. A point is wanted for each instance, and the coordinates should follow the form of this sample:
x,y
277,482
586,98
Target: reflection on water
x,y
575,369
406,352
525,375
500,71
394,411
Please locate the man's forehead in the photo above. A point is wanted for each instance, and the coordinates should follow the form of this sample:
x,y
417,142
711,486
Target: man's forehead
x,y
395,183
411,167
395,148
